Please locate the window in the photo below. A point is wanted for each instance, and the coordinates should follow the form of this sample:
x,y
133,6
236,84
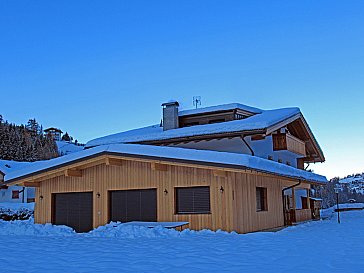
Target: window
x,y
261,194
301,198
15,195
193,200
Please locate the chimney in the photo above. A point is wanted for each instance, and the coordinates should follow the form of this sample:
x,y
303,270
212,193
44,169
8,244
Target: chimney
x,y
170,115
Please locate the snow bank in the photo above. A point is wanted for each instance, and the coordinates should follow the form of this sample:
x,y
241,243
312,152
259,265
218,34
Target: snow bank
x,y
330,212
28,227
113,230
129,231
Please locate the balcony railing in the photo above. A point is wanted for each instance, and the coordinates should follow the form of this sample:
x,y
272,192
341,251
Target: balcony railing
x,y
289,143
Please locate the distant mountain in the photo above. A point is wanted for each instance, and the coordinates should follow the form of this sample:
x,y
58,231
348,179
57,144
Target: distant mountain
x,y
353,184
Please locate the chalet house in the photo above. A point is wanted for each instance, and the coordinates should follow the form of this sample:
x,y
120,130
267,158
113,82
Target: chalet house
x,y
14,194
229,167
55,133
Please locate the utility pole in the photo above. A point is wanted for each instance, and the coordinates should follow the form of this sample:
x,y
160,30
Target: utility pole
x,y
337,190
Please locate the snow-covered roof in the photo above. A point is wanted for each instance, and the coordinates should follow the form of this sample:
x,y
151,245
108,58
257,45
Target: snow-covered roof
x,y
222,107
202,157
8,166
257,122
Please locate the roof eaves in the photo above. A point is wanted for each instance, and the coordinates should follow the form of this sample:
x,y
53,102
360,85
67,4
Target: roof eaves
x,y
176,160
199,137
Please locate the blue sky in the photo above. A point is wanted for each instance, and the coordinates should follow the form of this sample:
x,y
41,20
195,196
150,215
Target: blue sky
x,y
98,67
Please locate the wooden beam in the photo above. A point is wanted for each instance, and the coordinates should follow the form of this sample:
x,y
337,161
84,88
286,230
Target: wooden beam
x,y
73,173
32,184
114,162
219,173
257,137
159,167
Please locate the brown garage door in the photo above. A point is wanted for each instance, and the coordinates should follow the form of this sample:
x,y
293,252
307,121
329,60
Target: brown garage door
x,y
133,205
73,210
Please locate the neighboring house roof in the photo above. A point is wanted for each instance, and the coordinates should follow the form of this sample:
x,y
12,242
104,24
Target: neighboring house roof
x,y
171,154
218,108
53,129
255,123
8,166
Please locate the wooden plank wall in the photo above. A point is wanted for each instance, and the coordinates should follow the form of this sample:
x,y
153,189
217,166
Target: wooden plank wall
x,y
232,209
246,215
303,215
139,175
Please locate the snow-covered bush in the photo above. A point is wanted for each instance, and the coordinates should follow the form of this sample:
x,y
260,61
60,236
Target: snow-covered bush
x,y
8,214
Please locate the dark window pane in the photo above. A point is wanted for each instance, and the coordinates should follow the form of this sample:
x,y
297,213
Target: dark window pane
x,y
261,199
193,200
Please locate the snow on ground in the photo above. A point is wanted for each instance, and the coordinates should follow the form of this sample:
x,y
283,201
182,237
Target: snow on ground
x,y
325,213
321,246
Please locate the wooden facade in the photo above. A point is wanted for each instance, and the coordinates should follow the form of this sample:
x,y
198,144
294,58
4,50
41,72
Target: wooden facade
x,y
232,191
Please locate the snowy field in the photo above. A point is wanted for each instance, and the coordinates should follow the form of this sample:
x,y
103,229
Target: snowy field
x,y
322,246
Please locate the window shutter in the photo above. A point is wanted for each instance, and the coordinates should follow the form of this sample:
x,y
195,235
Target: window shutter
x,y
193,200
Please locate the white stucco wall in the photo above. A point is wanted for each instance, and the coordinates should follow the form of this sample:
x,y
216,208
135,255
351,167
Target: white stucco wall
x,y
262,148
6,194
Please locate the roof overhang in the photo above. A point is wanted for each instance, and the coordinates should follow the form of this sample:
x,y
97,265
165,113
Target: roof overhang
x,y
102,157
316,155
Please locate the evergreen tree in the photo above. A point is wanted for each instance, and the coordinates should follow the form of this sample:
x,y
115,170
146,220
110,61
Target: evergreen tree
x,y
66,137
25,143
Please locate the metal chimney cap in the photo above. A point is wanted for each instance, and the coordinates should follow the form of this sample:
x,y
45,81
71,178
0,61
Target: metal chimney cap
x,y
171,103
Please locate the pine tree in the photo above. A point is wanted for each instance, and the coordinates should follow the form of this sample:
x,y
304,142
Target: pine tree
x,y
66,137
25,143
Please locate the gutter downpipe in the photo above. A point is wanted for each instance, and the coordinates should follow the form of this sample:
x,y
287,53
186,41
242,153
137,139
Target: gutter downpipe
x,y
288,188
246,143
22,192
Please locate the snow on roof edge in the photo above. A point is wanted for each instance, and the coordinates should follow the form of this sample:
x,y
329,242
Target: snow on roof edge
x,y
171,153
155,133
221,107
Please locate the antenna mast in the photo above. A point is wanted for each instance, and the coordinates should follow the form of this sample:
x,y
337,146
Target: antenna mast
x,y
196,101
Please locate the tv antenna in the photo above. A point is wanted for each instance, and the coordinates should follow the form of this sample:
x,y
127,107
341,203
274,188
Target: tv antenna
x,y
197,101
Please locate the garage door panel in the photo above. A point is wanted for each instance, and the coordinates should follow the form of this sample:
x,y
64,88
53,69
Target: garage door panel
x,y
133,205
118,206
74,210
149,212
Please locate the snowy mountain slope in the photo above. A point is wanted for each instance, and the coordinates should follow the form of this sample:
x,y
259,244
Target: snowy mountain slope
x,y
353,183
65,147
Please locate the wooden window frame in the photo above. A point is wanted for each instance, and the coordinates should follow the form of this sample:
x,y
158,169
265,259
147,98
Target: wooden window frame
x,y
176,209
263,199
15,194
